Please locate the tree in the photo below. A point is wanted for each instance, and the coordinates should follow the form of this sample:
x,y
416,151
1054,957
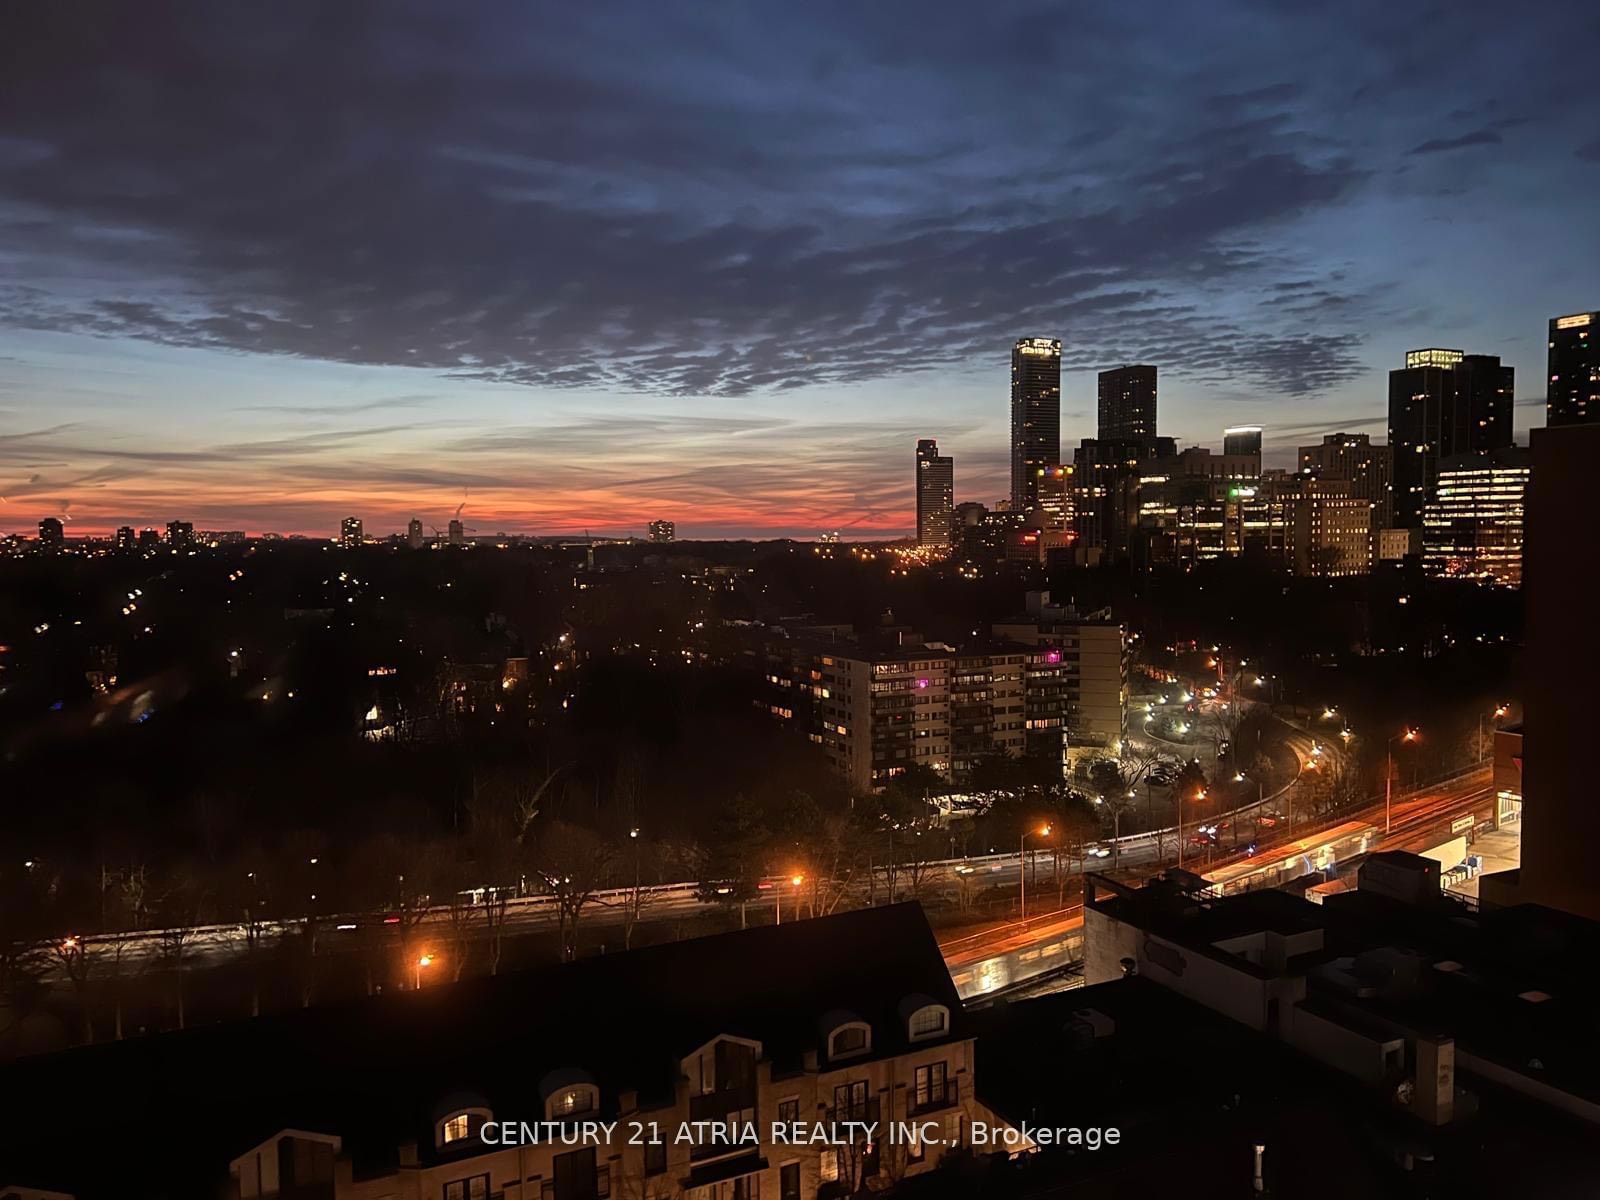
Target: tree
x,y
733,859
73,956
571,863
23,956
1075,827
179,910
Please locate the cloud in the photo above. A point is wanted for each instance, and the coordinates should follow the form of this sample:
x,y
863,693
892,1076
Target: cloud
x,y
537,220
1481,137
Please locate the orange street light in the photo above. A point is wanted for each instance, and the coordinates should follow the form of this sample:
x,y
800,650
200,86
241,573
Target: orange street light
x,y
1410,735
1022,868
425,961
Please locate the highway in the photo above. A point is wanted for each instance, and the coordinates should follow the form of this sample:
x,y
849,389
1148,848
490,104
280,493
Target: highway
x,y
1007,954
1415,817
209,944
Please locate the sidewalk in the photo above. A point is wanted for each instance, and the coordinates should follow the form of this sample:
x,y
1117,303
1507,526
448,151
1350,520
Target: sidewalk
x,y
1499,850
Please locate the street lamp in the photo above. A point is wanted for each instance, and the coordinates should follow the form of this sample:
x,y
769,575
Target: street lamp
x,y
425,961
1409,735
794,881
1200,794
1500,710
1022,865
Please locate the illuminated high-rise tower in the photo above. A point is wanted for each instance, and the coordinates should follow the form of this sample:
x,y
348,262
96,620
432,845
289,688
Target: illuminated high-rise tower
x,y
1573,380
1128,404
936,501
1442,403
1035,416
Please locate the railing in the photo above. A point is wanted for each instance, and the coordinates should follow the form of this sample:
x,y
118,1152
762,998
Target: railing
x,y
947,1096
861,1114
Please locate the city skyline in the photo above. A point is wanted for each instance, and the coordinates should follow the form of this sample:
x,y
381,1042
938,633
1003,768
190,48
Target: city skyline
x,y
665,296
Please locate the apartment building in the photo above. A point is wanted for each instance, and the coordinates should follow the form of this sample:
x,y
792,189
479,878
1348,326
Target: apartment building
x,y
1090,676
834,1029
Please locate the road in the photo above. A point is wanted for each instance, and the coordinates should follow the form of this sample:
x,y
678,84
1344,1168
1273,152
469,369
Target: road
x,y
1136,853
1006,955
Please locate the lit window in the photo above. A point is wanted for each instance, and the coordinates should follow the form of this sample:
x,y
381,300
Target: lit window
x,y
456,1128
930,1021
574,1101
849,1039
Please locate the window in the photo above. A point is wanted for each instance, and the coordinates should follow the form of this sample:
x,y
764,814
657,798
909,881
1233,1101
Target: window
x,y
789,1111
853,1038
850,1100
459,1127
929,1022
575,1177
916,1150
932,1086
475,1187
789,1181
655,1158
828,1166
746,1187
574,1101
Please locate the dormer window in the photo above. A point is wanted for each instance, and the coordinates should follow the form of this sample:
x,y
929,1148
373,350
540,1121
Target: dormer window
x,y
459,1127
849,1040
575,1101
929,1021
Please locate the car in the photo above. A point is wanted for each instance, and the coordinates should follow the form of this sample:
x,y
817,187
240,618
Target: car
x,y
1163,773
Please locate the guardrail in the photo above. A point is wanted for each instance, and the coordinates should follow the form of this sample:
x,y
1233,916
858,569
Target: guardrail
x,y
618,897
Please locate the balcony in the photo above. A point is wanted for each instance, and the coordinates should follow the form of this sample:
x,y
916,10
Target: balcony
x,y
861,1113
946,1096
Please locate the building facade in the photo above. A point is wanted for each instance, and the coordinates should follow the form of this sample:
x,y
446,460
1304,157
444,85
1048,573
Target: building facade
x,y
1473,526
1353,458
663,531
351,533
1035,415
1127,404
936,495
1242,439
1573,380
1442,403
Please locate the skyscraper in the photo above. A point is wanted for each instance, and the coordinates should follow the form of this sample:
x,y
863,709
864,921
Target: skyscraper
x,y
936,500
1472,526
1127,403
52,534
124,537
1573,395
1442,403
414,538
1242,439
350,533
1054,511
1035,416
1353,458
663,531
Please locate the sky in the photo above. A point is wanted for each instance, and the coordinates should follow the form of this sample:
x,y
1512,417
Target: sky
x,y
581,266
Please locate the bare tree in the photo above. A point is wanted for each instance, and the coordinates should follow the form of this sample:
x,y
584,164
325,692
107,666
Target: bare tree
x,y
180,909
494,903
571,864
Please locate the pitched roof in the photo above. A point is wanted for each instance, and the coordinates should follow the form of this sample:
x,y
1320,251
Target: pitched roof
x,y
380,1071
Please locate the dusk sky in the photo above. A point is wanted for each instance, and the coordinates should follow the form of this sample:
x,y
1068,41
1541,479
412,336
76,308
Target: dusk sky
x,y
583,265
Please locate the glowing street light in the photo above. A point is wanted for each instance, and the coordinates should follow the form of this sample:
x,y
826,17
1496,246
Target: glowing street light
x,y
1022,866
795,881
1409,735
424,961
